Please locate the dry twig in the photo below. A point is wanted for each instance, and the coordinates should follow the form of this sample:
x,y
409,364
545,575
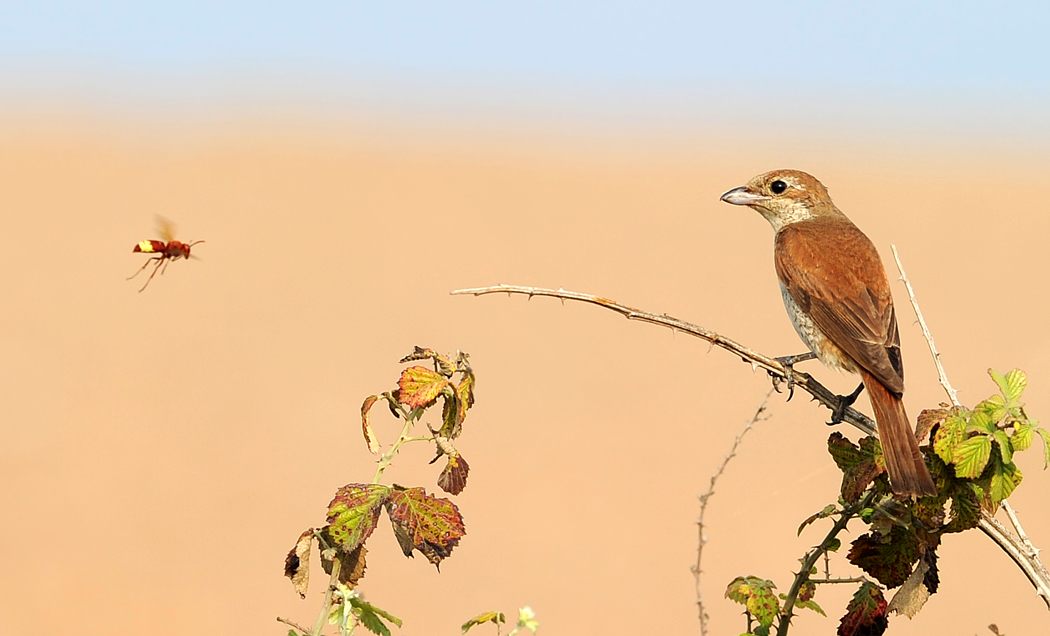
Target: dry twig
x,y
702,539
941,375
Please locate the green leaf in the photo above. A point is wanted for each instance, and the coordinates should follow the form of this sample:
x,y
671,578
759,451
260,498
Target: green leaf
x,y
810,605
1012,384
1023,436
354,512
859,464
971,456
1005,479
949,435
372,617
457,402
757,595
764,606
1046,445
488,617
465,392
828,510
966,508
372,623
426,523
739,588
994,408
1006,447
980,422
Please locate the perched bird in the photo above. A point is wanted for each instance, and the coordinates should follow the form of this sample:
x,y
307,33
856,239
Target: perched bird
x,y
837,295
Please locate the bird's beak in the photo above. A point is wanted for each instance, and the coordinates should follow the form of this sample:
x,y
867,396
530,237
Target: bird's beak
x,y
743,196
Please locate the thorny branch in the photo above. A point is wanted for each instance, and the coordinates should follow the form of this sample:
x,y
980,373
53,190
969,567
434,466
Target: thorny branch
x,y
702,539
757,360
1026,559
302,630
787,611
941,375
1018,547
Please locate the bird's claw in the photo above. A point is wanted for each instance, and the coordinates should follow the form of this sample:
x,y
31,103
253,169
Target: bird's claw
x,y
788,362
838,414
789,380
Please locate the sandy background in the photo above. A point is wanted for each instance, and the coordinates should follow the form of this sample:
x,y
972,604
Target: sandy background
x,y
162,451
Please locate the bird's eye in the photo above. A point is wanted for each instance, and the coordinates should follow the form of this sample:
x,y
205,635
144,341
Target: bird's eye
x,y
778,186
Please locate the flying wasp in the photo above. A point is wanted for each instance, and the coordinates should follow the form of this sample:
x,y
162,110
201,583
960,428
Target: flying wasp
x,y
167,249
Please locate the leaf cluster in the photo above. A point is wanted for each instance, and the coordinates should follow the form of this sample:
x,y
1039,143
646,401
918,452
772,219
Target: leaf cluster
x,y
980,444
971,458
421,522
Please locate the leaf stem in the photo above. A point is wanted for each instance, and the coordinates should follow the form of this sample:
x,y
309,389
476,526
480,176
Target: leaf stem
x,y
386,459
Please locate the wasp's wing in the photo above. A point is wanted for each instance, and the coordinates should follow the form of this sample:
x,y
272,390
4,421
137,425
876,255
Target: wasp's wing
x,y
166,229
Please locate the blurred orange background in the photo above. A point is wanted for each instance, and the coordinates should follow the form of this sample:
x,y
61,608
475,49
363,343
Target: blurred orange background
x,y
164,449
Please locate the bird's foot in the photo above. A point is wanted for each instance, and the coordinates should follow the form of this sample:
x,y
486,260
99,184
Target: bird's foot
x,y
845,401
788,363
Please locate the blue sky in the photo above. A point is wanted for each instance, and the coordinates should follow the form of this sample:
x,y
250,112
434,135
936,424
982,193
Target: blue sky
x,y
965,61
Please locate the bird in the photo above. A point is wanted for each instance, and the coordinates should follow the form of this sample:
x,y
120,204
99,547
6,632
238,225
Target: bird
x,y
837,295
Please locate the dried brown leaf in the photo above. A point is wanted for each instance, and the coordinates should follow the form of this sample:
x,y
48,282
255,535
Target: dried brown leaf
x,y
366,427
297,563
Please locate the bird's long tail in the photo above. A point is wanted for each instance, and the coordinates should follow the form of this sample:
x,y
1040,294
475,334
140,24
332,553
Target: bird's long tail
x,y
908,473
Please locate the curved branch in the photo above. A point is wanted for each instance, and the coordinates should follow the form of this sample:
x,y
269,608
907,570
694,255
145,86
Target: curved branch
x,y
757,360
1027,560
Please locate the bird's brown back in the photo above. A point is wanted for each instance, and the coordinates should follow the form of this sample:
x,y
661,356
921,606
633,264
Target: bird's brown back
x,y
856,312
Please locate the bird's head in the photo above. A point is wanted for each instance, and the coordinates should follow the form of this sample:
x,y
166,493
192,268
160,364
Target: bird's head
x,y
784,197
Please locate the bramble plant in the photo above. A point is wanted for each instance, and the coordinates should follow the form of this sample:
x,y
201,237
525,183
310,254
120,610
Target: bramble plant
x,y
421,522
971,458
526,620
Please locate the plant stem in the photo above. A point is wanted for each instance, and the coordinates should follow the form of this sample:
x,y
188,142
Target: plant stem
x,y
811,559
386,459
337,564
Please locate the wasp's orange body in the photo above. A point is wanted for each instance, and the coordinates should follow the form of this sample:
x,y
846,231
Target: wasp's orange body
x,y
166,251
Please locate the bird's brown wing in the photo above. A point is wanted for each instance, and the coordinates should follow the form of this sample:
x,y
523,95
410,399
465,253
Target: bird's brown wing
x,y
835,275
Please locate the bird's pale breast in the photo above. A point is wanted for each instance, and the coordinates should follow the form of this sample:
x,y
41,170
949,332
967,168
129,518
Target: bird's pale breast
x,y
827,352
